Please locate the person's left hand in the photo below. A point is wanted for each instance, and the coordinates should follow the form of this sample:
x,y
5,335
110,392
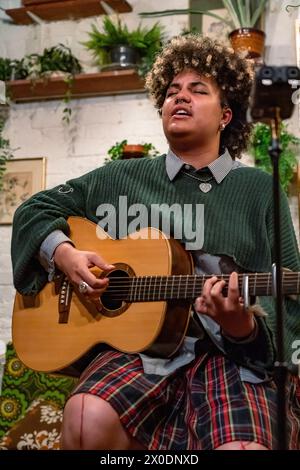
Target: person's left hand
x,y
228,312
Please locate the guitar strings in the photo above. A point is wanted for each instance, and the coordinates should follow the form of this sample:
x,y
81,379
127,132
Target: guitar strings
x,y
177,281
205,276
191,277
152,282
124,286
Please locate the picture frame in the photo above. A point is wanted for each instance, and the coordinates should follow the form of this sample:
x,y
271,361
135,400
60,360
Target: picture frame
x,y
297,38
196,21
217,29
23,177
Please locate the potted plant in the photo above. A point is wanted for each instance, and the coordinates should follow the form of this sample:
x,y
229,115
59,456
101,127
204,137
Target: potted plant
x,y
244,16
260,142
56,59
118,48
122,151
59,58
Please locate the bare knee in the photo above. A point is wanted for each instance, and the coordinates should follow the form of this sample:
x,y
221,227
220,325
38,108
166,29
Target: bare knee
x,y
91,423
242,445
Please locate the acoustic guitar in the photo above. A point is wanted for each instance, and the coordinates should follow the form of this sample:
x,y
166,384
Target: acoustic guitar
x,y
146,307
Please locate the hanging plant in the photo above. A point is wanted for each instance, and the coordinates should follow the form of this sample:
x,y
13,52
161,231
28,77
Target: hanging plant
x,y
59,58
54,60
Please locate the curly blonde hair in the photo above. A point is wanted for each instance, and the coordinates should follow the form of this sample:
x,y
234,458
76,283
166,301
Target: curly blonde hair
x,y
209,58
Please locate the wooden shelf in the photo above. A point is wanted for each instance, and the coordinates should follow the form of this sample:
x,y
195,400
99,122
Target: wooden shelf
x,y
27,3
63,10
84,85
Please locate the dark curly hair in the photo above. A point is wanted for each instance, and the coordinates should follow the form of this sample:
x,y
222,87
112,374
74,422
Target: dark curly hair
x,y
232,74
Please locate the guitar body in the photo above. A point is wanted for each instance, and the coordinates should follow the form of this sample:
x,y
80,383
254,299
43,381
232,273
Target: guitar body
x,y
48,340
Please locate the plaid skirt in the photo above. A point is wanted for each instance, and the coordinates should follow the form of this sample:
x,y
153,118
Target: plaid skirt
x,y
198,407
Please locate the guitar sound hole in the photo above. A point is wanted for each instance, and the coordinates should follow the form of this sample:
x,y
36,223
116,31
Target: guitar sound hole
x,y
116,293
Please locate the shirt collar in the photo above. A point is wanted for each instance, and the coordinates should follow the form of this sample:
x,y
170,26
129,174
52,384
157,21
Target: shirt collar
x,y
219,167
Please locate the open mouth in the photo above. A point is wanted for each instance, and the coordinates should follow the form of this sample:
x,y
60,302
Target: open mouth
x,y
181,112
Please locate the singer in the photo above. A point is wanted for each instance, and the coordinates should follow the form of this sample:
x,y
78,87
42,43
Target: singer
x,y
218,391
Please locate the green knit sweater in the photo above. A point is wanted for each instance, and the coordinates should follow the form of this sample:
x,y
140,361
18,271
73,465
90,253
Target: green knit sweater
x,y
238,222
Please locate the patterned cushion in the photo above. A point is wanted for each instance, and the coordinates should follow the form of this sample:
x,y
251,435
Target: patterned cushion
x,y
39,429
21,386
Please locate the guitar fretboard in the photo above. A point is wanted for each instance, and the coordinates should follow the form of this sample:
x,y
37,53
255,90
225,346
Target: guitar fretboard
x,y
156,288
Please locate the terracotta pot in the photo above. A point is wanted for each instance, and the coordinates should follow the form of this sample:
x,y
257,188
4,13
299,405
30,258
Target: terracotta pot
x,y
249,40
133,151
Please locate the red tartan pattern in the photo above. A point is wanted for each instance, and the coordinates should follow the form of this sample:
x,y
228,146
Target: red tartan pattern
x,y
200,406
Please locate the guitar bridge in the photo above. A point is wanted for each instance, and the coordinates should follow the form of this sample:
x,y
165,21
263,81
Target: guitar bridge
x,y
64,300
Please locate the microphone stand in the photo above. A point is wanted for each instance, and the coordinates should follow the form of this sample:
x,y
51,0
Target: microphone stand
x,y
280,366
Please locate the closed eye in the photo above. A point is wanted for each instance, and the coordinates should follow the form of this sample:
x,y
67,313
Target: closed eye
x,y
171,93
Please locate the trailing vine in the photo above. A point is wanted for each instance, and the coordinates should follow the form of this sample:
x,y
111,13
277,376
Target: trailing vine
x,y
35,67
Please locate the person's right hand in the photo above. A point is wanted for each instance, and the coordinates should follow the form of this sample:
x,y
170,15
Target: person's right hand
x,y
76,264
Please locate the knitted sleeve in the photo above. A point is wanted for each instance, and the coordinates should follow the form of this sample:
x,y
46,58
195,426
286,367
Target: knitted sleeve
x,y
259,354
34,220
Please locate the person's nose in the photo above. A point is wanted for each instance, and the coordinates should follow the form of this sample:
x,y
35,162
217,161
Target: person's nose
x,y
182,97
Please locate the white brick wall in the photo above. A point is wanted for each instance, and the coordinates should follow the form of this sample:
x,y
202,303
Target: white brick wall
x,y
97,123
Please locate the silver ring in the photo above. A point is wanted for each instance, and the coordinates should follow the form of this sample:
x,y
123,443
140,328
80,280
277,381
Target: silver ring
x,y
83,287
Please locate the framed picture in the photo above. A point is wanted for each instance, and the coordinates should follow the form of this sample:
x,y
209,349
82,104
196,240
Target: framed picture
x,y
297,36
217,29
23,177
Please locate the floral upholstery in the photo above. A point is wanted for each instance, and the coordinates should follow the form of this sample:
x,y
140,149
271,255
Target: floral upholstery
x,y
30,394
39,429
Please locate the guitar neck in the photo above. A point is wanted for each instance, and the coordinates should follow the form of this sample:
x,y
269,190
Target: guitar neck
x,y
157,288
